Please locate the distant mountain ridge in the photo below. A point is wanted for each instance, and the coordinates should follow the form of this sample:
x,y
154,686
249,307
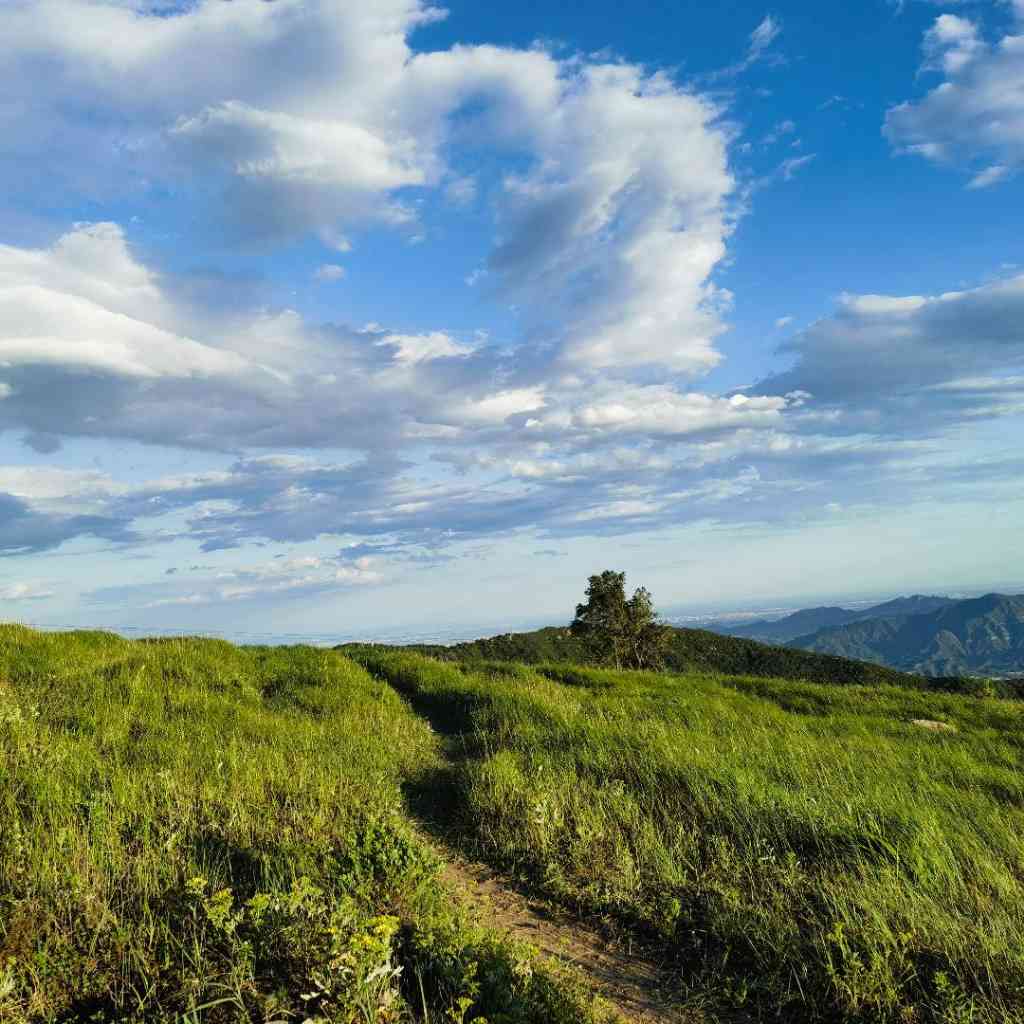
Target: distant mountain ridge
x,y
975,636
810,620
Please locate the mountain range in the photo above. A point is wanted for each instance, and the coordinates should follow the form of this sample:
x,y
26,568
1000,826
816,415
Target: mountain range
x,y
810,620
927,635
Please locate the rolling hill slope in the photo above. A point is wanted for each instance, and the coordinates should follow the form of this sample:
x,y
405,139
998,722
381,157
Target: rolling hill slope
x,y
689,650
191,831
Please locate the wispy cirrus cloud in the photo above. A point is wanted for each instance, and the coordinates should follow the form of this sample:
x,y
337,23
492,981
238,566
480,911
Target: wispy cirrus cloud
x,y
759,48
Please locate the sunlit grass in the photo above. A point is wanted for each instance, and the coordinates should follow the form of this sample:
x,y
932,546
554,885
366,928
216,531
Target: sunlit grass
x,y
197,832
795,846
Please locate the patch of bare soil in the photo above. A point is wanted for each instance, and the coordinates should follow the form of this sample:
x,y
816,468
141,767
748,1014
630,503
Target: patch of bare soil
x,y
631,983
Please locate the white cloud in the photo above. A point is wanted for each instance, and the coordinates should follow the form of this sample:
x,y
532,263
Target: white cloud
x,y
461,191
782,129
87,305
616,226
418,348
951,44
763,36
660,410
286,578
911,365
789,168
783,321
761,39
990,176
59,490
977,112
92,344
283,148
499,407
276,121
329,272
25,591
883,367
293,118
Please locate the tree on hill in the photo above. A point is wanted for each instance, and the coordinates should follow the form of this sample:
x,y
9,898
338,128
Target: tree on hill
x,y
616,631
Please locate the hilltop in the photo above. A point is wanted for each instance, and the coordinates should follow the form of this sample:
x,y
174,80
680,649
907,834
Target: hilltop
x,y
688,650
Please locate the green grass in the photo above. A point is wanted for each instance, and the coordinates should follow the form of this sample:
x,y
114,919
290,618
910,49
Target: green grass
x,y
191,832
799,849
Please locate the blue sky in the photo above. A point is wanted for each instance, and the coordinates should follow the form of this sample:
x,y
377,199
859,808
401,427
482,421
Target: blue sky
x,y
333,318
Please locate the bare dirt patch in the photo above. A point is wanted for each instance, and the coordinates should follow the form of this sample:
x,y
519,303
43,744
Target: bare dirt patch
x,y
633,984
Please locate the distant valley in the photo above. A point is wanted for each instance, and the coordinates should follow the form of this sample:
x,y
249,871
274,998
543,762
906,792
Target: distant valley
x,y
929,635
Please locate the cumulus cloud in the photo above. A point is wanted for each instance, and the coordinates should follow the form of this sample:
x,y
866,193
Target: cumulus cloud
x,y
659,410
906,365
418,348
621,224
93,344
976,114
450,441
278,121
293,118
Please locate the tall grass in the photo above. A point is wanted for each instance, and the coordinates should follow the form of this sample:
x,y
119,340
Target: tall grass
x,y
801,849
190,831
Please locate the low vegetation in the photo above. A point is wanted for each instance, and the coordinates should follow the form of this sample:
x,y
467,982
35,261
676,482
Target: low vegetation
x,y
195,832
801,851
684,650
191,832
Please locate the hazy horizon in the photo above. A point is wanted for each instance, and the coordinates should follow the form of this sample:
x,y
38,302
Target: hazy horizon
x,y
691,615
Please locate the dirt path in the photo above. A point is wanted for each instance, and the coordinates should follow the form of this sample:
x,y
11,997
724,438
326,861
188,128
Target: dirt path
x,y
632,984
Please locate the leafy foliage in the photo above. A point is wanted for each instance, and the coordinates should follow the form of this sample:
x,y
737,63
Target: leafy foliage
x,y
616,631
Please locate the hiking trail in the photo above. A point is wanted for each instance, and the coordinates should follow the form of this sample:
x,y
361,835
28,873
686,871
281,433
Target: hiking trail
x,y
629,979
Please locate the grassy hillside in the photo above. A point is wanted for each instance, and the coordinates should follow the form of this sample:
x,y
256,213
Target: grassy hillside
x,y
194,832
800,850
690,650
